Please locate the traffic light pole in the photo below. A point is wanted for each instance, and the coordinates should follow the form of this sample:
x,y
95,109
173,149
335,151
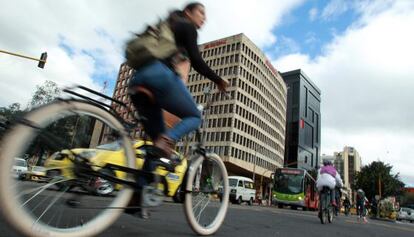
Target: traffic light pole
x,y
42,60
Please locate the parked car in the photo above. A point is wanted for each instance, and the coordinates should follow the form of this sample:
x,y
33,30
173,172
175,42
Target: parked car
x,y
37,173
405,213
60,164
241,190
19,168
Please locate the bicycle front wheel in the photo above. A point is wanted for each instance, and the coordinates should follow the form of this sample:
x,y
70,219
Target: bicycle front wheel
x,y
42,193
207,194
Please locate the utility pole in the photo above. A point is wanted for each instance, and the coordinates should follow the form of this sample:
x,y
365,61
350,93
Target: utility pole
x,y
379,186
42,60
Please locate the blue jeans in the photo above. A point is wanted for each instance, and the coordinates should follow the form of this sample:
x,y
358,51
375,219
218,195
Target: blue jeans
x,y
170,94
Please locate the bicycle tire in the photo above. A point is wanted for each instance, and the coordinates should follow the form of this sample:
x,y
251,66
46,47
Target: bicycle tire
x,y
16,140
190,215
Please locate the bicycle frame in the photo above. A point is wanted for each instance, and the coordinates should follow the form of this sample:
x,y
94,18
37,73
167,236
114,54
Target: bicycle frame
x,y
84,170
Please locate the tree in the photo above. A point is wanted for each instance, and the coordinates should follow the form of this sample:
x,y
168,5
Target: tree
x,y
44,94
8,114
375,174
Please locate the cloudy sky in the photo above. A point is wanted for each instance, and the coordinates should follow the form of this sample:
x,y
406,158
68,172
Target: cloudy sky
x,y
359,53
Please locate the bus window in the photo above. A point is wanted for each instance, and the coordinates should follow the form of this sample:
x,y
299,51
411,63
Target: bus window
x,y
240,183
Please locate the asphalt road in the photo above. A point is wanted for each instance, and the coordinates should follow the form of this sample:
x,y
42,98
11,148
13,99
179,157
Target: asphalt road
x,y
251,221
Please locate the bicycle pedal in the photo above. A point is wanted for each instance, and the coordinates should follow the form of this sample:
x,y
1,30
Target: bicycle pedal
x,y
151,197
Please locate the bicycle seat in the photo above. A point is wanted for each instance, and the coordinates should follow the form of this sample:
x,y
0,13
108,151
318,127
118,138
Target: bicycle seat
x,y
143,95
141,92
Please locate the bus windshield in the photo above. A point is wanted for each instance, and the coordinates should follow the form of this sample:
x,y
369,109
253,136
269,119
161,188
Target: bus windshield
x,y
289,182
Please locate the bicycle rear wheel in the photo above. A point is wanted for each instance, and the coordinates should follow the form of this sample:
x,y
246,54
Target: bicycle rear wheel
x,y
54,137
207,177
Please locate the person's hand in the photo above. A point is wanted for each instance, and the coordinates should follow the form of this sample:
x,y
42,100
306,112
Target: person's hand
x,y
222,85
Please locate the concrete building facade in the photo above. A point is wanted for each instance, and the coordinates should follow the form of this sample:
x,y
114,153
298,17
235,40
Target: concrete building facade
x,y
247,130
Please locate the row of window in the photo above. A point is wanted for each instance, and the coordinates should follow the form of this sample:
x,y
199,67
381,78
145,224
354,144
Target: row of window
x,y
223,60
229,108
201,99
225,151
236,47
261,63
258,107
235,71
270,140
198,87
219,122
252,158
217,136
220,50
262,113
254,146
224,136
219,109
275,99
263,72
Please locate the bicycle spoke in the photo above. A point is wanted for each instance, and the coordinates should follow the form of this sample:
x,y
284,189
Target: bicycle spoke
x,y
51,204
202,209
41,190
199,201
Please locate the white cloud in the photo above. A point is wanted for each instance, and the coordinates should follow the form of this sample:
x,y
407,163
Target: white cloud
x,y
366,79
313,13
335,8
285,45
96,30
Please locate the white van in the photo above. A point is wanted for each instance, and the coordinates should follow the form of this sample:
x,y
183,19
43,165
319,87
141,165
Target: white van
x,y
241,190
20,168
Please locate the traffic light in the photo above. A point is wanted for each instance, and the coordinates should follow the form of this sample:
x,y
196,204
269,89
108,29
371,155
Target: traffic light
x,y
42,61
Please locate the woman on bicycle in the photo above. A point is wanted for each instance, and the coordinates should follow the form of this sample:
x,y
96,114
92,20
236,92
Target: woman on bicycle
x,y
329,177
165,86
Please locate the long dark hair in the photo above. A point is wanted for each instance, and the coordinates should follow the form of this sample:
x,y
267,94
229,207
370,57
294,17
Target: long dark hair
x,y
178,15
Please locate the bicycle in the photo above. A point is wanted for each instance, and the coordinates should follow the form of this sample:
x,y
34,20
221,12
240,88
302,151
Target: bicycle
x,y
326,210
55,209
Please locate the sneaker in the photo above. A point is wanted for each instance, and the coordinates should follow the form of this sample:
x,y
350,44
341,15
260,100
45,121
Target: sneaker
x,y
365,220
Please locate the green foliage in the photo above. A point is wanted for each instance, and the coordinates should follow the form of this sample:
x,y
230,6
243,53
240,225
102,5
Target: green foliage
x,y
44,94
371,175
10,112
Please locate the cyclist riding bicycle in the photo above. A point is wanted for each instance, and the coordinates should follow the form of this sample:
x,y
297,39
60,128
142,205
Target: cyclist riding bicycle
x,y
360,204
329,177
159,85
160,80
